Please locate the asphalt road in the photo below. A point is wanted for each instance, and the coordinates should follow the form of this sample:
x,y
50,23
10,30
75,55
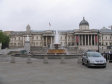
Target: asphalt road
x,y
71,72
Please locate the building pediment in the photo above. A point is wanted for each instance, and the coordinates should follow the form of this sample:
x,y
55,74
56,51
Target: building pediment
x,y
48,31
48,35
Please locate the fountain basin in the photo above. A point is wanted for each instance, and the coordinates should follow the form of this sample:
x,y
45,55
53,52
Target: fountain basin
x,y
56,51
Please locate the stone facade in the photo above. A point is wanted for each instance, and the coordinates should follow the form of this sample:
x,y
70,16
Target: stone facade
x,y
37,38
83,38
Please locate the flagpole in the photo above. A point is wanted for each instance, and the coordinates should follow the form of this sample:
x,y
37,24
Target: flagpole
x,y
49,25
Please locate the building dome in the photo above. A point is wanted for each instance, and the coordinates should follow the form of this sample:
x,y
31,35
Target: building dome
x,y
83,22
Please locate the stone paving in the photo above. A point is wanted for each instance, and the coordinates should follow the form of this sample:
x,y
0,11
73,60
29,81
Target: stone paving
x,y
71,72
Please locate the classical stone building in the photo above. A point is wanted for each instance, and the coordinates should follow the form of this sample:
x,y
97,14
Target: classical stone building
x,y
83,38
37,38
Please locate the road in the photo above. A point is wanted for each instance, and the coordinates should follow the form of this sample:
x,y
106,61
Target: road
x,y
71,72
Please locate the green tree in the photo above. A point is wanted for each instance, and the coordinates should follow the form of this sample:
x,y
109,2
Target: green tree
x,y
4,39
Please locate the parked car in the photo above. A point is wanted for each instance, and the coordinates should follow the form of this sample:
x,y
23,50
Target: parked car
x,y
93,59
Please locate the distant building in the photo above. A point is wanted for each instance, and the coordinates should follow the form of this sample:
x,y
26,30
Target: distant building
x,y
7,32
83,38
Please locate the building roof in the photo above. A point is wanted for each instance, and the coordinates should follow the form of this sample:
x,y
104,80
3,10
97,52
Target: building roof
x,y
105,30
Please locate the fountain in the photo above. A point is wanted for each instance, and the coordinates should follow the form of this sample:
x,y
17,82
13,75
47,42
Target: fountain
x,y
57,47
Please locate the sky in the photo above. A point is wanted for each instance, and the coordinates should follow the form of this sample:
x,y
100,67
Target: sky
x,y
15,15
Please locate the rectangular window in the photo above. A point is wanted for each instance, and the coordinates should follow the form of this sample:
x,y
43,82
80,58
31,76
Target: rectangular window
x,y
106,43
102,44
37,43
61,37
32,37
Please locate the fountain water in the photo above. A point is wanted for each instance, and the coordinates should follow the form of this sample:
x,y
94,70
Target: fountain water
x,y
57,47
56,38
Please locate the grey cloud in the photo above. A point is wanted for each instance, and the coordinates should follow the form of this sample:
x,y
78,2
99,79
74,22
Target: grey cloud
x,y
62,14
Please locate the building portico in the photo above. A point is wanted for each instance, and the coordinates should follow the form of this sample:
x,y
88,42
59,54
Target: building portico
x,y
86,39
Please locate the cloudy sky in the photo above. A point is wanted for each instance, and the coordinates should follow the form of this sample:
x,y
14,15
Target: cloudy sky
x,y
62,14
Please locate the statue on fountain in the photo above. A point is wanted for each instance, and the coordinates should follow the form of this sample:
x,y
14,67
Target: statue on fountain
x,y
27,44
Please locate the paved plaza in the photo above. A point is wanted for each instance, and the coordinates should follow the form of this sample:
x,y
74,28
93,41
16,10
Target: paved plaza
x,y
71,72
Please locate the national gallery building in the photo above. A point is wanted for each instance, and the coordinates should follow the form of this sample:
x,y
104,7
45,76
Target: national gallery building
x,y
83,38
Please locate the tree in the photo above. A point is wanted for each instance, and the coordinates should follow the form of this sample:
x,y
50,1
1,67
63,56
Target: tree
x,y
4,39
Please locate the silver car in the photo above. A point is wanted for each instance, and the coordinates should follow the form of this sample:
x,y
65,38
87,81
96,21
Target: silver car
x,y
93,59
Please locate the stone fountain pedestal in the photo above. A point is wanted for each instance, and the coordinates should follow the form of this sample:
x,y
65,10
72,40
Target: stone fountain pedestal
x,y
27,46
57,50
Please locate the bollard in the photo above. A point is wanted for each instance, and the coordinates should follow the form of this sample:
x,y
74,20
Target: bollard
x,y
29,59
45,60
12,59
79,60
62,60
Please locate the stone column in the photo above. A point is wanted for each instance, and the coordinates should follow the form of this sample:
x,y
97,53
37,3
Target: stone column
x,y
91,40
97,40
85,40
75,40
82,39
67,40
42,41
79,39
88,39
46,41
51,41
23,40
94,40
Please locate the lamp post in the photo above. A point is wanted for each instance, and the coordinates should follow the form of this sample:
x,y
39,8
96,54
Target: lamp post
x,y
98,40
